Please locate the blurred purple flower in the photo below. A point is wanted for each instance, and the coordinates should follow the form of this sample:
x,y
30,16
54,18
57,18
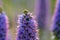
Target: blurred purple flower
x,y
56,21
42,13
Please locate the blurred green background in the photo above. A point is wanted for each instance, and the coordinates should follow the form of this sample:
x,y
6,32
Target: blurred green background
x,y
15,7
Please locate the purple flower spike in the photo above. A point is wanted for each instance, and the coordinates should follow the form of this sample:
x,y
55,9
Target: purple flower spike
x,y
42,13
3,25
27,28
56,21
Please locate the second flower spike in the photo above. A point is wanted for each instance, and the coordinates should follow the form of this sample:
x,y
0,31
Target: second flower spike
x,y
4,24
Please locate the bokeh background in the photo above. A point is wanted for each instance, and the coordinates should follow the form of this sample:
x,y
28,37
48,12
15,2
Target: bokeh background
x,y
15,7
